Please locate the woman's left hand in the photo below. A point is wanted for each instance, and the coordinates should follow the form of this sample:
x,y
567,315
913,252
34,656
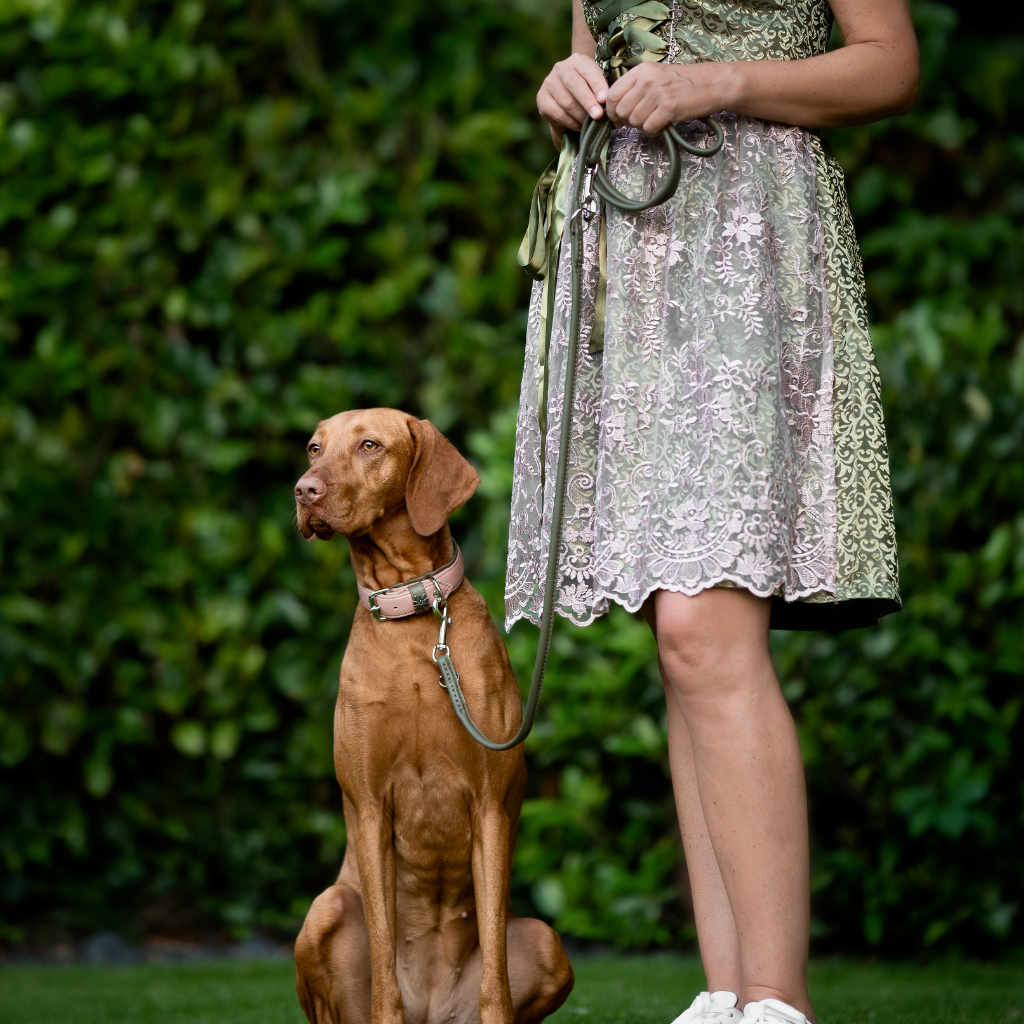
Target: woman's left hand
x,y
653,94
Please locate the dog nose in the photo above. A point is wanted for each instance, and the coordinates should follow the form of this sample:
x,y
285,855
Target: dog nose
x,y
310,488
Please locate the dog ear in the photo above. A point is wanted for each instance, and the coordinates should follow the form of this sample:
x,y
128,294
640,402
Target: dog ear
x,y
440,479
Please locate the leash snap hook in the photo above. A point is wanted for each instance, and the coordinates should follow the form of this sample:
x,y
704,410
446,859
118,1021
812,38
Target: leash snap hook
x,y
590,204
439,606
440,610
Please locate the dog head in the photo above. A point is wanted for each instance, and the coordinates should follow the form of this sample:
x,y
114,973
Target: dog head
x,y
369,465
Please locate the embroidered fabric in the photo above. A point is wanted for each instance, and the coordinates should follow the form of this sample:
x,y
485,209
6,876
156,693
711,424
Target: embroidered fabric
x,y
730,432
868,567
702,444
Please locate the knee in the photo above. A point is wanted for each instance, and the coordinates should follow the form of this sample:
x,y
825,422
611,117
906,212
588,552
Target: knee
x,y
708,652
691,650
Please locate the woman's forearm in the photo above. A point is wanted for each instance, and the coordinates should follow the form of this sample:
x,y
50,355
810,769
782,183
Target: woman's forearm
x,y
859,83
582,41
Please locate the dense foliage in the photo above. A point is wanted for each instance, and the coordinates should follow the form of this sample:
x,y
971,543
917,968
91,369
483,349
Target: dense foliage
x,y
221,221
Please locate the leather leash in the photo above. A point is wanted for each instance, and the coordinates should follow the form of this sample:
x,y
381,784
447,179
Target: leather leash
x,y
590,186
628,39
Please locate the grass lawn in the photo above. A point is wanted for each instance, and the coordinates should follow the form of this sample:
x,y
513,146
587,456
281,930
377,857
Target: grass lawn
x,y
609,990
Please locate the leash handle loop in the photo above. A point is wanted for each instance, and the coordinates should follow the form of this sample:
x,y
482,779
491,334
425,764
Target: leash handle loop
x,y
592,146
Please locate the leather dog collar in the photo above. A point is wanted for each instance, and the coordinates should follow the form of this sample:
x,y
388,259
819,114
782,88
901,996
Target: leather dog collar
x,y
414,596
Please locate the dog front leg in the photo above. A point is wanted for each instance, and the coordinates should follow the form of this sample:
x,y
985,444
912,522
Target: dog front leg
x,y
371,833
490,881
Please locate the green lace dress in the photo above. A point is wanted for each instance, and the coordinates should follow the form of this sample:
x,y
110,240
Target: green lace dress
x,y
727,430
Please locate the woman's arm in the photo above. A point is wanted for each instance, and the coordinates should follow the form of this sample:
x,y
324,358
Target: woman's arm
x,y
874,75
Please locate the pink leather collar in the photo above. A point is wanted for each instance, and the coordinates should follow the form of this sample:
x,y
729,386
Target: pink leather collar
x,y
414,596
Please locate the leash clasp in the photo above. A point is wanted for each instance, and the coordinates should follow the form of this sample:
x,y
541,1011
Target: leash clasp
x,y
441,649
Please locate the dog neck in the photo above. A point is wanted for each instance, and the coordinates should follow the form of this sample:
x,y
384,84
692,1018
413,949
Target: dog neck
x,y
391,552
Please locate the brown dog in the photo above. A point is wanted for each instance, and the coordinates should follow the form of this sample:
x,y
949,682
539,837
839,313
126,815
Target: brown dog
x,y
417,928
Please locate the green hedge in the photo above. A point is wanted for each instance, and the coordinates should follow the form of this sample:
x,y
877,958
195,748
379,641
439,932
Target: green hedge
x,y
220,222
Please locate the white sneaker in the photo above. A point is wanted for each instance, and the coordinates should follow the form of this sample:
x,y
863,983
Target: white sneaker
x,y
712,1008
772,1011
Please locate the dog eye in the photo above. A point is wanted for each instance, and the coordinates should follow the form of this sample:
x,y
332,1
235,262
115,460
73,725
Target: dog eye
x,y
314,449
369,446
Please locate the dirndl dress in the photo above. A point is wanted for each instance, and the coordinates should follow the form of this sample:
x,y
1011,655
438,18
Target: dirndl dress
x,y
727,430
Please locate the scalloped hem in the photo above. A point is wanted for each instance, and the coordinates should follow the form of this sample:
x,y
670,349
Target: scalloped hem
x,y
797,613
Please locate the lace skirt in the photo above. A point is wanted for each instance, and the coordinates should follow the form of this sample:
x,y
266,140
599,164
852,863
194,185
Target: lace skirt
x,y
729,433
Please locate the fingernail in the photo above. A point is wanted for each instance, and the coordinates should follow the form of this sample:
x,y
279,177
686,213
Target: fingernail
x,y
595,112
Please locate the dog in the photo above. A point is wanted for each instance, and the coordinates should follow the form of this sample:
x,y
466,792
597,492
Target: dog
x,y
417,928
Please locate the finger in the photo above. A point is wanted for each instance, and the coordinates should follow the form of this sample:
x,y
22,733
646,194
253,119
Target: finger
x,y
553,112
622,98
563,96
624,84
582,93
645,109
558,118
656,120
646,93
594,76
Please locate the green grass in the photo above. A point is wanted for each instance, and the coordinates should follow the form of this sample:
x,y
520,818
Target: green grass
x,y
612,990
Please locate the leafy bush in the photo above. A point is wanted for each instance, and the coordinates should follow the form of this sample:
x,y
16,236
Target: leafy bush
x,y
220,222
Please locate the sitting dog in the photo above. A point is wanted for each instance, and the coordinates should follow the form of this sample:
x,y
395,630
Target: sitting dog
x,y
417,928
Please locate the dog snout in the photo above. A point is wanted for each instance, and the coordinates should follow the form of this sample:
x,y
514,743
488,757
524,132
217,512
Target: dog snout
x,y
310,489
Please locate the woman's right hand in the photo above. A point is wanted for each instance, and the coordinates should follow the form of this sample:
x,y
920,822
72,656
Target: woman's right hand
x,y
574,88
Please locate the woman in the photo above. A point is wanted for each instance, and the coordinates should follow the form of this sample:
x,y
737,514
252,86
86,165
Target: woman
x,y
728,469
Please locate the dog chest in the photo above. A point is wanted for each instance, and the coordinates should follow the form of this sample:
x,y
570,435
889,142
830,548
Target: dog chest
x,y
433,829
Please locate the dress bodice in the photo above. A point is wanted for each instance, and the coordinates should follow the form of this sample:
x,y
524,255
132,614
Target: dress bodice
x,y
688,31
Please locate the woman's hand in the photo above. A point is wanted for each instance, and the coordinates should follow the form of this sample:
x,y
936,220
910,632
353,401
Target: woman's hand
x,y
574,88
652,95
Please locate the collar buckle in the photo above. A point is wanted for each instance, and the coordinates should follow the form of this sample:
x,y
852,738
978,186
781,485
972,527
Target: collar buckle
x,y
375,609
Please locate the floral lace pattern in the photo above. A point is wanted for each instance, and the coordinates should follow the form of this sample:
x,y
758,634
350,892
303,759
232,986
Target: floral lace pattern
x,y
702,437
730,432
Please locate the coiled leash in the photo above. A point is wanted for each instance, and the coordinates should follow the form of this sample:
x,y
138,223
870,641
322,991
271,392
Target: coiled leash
x,y
590,186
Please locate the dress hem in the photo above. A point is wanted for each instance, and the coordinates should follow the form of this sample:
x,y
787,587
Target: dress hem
x,y
796,614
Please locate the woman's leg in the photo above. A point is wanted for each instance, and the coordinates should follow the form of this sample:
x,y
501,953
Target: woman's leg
x,y
716,927
750,784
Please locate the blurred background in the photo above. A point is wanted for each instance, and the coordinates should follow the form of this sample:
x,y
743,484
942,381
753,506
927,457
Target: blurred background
x,y
222,221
